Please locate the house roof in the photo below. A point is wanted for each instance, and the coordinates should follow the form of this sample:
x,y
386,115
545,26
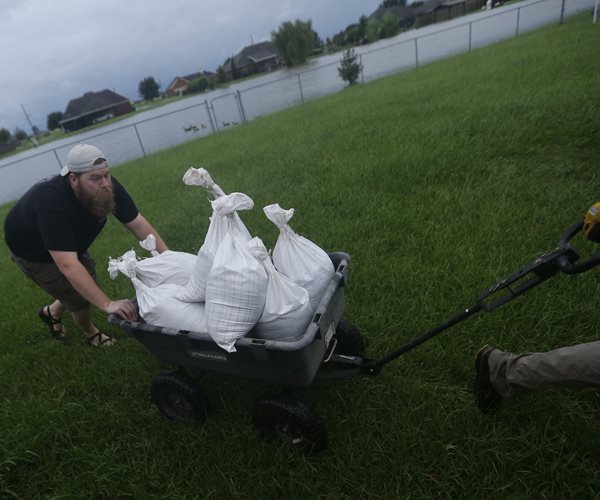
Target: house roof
x,y
400,11
177,82
184,80
428,6
451,3
200,74
252,54
92,102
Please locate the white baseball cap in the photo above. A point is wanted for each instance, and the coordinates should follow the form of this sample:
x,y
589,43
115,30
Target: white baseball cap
x,y
82,158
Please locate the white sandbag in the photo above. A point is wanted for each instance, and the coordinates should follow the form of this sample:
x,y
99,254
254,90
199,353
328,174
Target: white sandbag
x,y
287,310
125,264
150,244
168,267
236,286
299,258
195,288
157,306
201,177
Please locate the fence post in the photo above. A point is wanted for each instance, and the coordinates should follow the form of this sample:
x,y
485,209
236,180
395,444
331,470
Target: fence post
x,y
214,115
416,54
139,139
238,96
57,159
470,34
300,86
518,16
362,73
210,118
562,12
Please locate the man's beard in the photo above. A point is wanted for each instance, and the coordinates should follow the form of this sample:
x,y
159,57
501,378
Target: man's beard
x,y
101,204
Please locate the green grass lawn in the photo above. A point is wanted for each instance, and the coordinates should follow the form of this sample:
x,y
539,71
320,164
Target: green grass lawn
x,y
438,183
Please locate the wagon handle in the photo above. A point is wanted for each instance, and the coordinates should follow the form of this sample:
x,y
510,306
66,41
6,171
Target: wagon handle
x,y
563,258
568,267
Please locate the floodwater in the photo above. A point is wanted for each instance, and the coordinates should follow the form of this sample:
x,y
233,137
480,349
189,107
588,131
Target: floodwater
x,y
145,132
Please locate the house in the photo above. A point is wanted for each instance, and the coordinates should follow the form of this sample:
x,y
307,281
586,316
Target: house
x,y
93,107
435,11
179,84
256,58
10,145
429,12
405,15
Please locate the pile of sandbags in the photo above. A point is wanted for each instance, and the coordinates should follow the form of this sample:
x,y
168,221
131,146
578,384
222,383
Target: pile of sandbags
x,y
232,287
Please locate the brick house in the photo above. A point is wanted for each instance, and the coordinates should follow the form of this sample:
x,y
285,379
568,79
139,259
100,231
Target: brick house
x,y
179,84
94,107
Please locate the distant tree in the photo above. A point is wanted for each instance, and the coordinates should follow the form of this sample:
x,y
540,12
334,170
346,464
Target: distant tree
x,y
4,135
373,30
389,26
20,134
317,42
328,45
221,75
35,130
53,119
235,74
198,85
351,34
362,28
338,39
349,68
295,41
148,89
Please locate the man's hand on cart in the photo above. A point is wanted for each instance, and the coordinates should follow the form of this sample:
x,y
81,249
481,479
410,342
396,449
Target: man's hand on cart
x,y
123,308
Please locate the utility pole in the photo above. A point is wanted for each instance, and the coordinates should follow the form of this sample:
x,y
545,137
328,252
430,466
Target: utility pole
x,y
33,140
251,40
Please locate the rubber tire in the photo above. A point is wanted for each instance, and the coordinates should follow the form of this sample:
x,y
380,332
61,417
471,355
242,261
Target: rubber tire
x,y
178,397
287,420
349,339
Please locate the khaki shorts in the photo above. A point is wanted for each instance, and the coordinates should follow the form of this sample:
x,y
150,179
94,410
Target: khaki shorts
x,y
48,277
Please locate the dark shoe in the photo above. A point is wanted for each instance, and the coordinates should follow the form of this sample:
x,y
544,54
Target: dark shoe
x,y
486,397
57,329
100,339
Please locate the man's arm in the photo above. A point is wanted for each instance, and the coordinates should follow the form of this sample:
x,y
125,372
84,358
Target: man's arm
x,y
141,228
73,270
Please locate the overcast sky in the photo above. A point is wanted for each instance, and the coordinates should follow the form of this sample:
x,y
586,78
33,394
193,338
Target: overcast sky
x,y
52,51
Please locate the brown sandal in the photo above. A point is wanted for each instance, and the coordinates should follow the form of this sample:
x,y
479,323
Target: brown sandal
x,y
46,317
100,339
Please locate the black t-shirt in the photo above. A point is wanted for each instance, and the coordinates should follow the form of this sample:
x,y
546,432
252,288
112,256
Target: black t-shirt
x,y
50,217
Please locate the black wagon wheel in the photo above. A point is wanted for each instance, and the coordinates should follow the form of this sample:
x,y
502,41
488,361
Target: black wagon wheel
x,y
349,340
285,419
178,397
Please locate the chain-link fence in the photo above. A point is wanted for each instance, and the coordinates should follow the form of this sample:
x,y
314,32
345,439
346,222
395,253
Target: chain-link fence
x,y
410,50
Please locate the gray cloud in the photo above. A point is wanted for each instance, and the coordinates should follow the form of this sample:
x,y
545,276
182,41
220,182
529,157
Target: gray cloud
x,y
54,51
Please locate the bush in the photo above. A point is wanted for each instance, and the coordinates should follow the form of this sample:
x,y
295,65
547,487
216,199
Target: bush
x,y
20,134
53,119
349,68
198,85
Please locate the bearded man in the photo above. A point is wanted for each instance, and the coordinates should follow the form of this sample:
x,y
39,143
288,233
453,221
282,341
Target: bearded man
x,y
50,229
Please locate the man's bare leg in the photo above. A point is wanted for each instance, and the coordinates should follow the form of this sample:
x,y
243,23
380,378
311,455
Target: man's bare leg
x,y
83,318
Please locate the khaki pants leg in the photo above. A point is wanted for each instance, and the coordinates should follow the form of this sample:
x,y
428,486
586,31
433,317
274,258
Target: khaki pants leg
x,y
48,277
576,366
